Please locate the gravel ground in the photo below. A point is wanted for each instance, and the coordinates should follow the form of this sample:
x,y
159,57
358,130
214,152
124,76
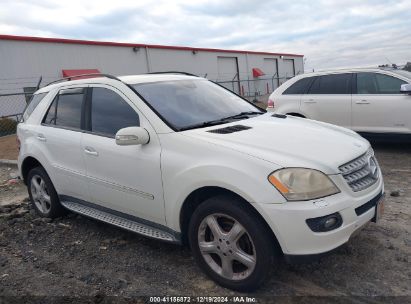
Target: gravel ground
x,y
76,257
8,147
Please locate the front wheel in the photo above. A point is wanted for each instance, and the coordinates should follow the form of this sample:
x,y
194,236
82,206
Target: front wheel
x,y
231,244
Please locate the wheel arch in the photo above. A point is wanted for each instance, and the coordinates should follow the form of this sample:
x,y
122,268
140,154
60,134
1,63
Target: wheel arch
x,y
29,163
198,196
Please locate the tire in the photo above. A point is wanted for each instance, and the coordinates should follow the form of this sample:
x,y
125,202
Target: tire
x,y
43,195
218,254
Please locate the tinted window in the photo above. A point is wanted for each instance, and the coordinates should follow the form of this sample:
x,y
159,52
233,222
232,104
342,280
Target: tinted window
x,y
110,113
33,103
331,84
300,87
65,111
189,103
373,83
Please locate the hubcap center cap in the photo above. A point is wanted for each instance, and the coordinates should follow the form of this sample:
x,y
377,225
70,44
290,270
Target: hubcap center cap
x,y
225,246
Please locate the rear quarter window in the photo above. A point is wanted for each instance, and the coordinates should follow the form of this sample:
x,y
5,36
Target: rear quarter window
x,y
33,103
300,87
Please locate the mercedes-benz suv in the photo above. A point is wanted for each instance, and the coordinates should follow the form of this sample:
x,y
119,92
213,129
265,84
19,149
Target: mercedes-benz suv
x,y
180,159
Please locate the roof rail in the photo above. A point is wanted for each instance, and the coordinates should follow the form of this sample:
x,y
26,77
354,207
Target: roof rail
x,y
84,75
174,72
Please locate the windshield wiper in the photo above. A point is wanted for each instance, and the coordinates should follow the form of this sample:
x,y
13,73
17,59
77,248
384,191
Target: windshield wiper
x,y
220,121
243,115
203,124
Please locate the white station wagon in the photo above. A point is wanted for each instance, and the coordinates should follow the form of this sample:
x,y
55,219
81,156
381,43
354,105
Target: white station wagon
x,y
369,101
180,159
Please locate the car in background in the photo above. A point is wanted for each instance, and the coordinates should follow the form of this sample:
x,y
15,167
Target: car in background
x,y
369,101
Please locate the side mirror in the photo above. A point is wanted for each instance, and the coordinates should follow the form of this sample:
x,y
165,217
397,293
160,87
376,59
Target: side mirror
x,y
406,88
132,136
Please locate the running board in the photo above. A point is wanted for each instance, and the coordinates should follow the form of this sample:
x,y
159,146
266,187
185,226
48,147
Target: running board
x,y
121,222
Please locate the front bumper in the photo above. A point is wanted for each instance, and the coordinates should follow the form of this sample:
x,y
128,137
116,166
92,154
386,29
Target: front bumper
x,y
288,220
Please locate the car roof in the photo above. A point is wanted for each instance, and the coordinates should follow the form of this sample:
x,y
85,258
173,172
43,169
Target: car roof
x,y
128,79
349,70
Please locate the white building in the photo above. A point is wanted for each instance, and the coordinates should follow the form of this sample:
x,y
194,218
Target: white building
x,y
24,59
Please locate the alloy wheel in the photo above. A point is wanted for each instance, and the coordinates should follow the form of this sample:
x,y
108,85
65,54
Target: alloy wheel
x,y
40,194
226,246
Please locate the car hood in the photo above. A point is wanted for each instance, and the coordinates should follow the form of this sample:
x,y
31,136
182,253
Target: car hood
x,y
289,142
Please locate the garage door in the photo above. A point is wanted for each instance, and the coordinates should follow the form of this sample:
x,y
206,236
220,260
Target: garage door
x,y
270,69
289,69
228,73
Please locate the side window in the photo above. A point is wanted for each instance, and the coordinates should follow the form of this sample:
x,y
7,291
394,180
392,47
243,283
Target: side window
x,y
366,83
300,87
110,113
374,83
65,111
33,103
331,84
388,84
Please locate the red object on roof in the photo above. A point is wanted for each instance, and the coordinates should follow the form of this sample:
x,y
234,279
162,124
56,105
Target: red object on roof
x,y
73,73
122,44
257,72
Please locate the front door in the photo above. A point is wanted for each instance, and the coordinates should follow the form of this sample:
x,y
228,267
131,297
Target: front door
x,y
378,106
122,178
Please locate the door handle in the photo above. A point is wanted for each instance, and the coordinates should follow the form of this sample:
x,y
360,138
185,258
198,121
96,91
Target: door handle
x,y
364,101
41,137
90,151
310,101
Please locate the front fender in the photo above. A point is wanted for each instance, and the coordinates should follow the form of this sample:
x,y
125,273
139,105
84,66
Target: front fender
x,y
188,164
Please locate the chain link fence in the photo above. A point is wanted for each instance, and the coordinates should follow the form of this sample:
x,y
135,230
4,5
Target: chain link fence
x,y
11,109
255,87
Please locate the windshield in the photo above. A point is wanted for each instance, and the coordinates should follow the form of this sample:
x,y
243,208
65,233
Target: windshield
x,y
187,104
403,73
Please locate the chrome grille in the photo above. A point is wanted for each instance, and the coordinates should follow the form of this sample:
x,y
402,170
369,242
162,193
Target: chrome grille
x,y
361,172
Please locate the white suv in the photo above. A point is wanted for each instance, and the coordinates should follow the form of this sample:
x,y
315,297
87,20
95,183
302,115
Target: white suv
x,y
368,101
183,160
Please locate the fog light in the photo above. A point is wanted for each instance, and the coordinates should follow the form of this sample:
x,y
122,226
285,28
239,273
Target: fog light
x,y
330,222
325,223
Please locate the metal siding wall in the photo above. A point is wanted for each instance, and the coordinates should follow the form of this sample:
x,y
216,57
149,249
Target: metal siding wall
x,y
25,61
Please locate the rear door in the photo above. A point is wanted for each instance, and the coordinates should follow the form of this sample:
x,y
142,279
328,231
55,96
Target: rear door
x,y
60,136
228,75
289,101
329,99
289,68
379,106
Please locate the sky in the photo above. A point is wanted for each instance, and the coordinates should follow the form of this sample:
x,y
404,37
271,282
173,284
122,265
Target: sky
x,y
330,34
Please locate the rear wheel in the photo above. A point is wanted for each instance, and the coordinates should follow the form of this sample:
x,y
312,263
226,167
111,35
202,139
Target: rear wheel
x,y
231,244
43,195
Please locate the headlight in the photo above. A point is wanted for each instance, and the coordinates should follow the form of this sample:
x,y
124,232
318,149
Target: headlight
x,y
297,184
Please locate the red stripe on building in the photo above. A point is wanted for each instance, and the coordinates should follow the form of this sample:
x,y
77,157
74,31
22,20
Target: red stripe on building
x,y
122,44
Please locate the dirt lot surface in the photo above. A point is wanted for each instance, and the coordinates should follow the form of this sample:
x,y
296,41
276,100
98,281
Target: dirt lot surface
x,y
8,147
75,256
